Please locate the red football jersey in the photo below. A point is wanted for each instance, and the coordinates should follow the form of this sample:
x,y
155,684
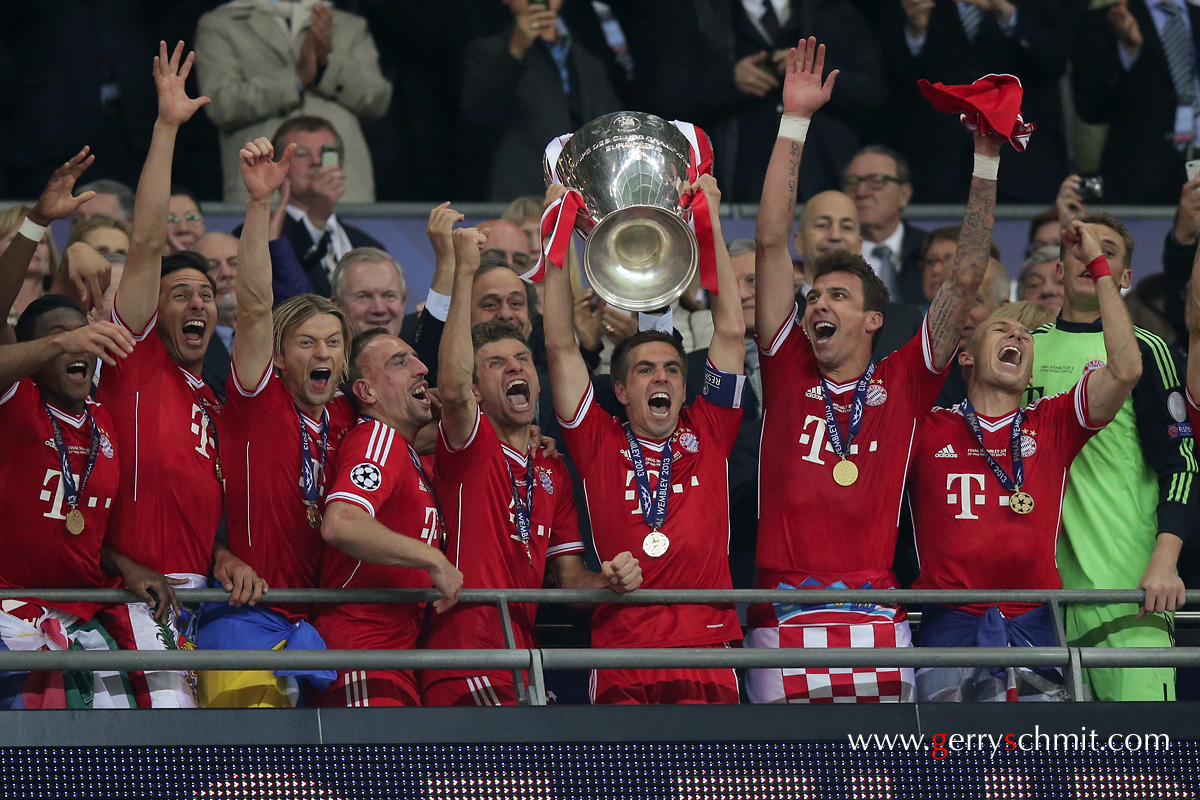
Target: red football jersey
x,y
39,551
265,514
809,526
967,536
696,527
375,472
169,508
476,494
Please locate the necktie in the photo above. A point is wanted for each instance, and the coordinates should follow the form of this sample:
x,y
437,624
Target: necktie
x,y
972,19
770,21
319,250
887,270
1181,57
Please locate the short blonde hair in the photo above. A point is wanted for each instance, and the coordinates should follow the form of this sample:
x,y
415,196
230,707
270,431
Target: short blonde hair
x,y
294,312
1031,315
97,222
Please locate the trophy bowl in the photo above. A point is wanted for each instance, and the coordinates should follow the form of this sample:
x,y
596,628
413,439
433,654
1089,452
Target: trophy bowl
x,y
639,253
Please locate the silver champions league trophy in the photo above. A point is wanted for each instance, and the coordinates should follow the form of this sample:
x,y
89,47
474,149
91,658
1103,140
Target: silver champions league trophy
x,y
639,253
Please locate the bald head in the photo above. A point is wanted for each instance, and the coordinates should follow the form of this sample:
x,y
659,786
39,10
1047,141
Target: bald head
x,y
828,222
507,240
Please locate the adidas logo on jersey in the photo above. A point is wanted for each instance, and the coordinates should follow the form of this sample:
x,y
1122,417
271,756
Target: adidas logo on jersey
x,y
946,452
814,393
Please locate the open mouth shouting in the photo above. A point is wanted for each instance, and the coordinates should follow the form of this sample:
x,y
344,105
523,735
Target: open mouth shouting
x,y
517,395
77,371
420,394
660,405
823,331
1010,355
319,378
193,331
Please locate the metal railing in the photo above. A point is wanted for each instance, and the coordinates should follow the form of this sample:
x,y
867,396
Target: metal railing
x,y
533,662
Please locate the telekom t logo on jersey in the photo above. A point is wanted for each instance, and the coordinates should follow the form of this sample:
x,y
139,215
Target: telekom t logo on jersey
x,y
965,493
200,428
54,493
631,489
815,437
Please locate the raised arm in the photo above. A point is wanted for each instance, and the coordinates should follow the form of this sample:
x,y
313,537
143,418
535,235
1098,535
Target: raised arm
x,y
137,296
102,340
951,305
56,202
356,533
456,356
1192,315
568,371
1108,386
803,93
254,344
727,350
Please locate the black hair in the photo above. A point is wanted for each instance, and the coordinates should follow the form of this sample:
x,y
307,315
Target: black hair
x,y
27,322
187,259
619,366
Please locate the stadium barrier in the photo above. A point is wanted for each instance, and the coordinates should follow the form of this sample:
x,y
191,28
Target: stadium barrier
x,y
534,662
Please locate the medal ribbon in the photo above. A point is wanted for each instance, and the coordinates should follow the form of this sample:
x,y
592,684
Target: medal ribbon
x,y
73,494
856,413
1014,483
307,478
437,507
654,512
523,509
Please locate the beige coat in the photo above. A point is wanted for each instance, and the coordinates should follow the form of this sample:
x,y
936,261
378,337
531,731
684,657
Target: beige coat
x,y
246,62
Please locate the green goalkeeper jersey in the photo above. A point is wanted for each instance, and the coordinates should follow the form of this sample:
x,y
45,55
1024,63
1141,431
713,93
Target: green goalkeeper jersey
x,y
1135,478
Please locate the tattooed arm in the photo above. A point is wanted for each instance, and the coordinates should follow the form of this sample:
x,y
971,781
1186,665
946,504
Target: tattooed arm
x,y
803,93
950,307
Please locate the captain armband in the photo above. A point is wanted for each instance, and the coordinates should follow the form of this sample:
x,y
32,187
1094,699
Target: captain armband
x,y
723,388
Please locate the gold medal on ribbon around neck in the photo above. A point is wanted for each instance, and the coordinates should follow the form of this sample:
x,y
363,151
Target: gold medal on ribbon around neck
x,y
655,544
75,522
845,473
314,516
1021,502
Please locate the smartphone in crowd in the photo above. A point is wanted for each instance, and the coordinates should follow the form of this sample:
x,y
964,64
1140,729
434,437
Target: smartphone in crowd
x,y
331,155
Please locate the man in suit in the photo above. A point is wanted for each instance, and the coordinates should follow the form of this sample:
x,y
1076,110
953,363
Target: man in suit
x,y
878,180
220,249
262,62
768,28
528,84
955,43
312,226
1135,68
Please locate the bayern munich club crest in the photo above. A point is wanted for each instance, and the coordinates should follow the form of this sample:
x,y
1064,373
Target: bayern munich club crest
x,y
1095,363
366,476
689,442
1028,445
546,482
876,394
106,446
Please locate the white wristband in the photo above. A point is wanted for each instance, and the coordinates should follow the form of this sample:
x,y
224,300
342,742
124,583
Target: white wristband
x,y
987,167
793,127
32,231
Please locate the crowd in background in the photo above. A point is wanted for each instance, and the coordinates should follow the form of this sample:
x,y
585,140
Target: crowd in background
x,y
457,98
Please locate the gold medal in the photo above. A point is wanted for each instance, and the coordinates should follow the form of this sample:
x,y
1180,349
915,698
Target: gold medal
x,y
845,473
1021,502
314,516
75,522
655,544
220,472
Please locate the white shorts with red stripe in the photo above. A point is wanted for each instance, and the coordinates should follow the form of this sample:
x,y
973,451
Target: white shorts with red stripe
x,y
832,685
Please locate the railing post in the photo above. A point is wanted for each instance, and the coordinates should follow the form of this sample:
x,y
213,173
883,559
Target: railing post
x,y
1075,666
537,680
510,642
1071,673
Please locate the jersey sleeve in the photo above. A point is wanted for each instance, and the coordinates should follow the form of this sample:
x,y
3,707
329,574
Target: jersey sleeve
x,y
135,370
920,380
366,472
564,533
586,430
1067,414
234,388
719,424
1159,407
453,466
17,400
